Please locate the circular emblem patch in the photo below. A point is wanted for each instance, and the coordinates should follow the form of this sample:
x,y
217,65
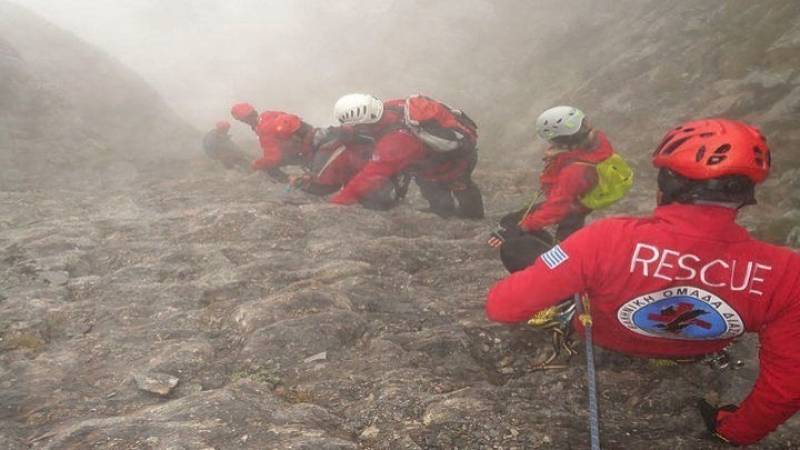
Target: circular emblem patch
x,y
681,312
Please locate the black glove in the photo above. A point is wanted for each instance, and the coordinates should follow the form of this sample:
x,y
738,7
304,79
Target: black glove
x,y
711,415
278,175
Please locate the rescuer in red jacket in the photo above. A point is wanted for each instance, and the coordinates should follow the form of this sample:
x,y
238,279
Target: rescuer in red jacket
x,y
338,155
398,152
569,173
284,138
687,280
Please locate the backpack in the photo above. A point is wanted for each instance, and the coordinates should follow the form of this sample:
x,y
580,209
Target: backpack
x,y
440,127
614,180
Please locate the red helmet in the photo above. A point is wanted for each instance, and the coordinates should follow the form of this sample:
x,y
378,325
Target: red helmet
x,y
223,126
279,126
240,111
712,148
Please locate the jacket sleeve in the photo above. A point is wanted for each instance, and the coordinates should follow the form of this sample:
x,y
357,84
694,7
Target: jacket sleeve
x,y
776,394
393,153
574,181
554,277
271,155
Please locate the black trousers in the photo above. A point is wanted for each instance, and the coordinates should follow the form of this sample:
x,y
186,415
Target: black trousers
x,y
382,199
459,197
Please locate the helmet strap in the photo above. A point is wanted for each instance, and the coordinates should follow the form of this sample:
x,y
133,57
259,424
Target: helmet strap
x,y
734,191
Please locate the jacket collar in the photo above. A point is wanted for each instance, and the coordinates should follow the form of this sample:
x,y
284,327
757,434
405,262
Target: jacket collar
x,y
716,222
601,149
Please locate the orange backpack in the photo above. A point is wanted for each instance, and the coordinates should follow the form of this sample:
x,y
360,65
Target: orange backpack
x,y
442,128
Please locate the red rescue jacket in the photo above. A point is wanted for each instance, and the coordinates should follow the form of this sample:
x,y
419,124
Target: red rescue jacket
x,y
565,178
681,283
344,167
279,151
396,148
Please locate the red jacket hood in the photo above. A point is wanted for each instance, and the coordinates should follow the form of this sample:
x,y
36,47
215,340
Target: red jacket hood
x,y
555,164
602,150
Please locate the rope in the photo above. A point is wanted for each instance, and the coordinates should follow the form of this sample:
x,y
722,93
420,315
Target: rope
x,y
585,317
530,206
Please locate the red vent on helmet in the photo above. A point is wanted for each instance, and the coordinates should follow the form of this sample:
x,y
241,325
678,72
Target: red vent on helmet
x,y
712,148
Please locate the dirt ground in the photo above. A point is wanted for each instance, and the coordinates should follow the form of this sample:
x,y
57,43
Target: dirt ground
x,y
194,308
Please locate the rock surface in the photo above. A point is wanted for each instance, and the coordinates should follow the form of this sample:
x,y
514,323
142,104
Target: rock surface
x,y
70,113
237,289
297,324
156,383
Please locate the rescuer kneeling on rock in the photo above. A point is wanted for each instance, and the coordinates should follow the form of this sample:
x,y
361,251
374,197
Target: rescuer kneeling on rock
x,y
284,138
414,137
686,281
581,174
218,146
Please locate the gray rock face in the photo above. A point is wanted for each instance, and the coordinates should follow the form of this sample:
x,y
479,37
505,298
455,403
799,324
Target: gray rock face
x,y
291,323
793,240
266,319
156,383
70,114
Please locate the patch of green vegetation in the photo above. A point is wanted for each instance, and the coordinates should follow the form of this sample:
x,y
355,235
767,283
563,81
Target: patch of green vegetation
x,y
258,374
298,396
22,341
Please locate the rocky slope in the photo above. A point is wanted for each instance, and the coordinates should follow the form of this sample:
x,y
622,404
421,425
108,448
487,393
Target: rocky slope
x,y
161,304
208,311
643,66
70,114
637,68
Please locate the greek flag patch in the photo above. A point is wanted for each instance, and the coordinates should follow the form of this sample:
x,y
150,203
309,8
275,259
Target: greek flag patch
x,y
554,257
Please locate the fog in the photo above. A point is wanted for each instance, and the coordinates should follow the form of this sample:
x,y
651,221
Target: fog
x,y
300,56
149,298
635,66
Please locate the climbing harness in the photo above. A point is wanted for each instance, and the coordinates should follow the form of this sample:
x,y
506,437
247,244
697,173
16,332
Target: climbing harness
x,y
556,319
721,360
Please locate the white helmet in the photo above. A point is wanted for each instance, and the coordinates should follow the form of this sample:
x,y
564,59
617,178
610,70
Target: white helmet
x,y
358,108
559,121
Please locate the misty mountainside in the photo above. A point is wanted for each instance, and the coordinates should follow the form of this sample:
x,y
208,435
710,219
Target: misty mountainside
x,y
69,111
150,299
637,67
640,67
